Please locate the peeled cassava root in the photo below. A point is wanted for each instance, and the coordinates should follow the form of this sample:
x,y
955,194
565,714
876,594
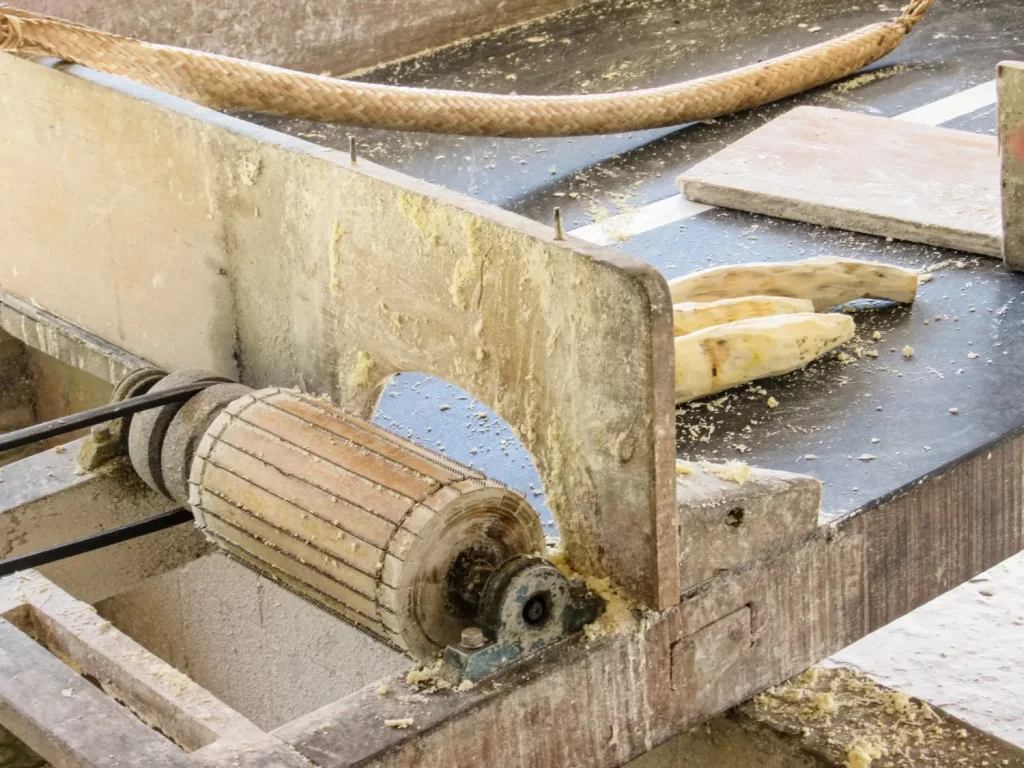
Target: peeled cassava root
x,y
724,356
692,316
827,281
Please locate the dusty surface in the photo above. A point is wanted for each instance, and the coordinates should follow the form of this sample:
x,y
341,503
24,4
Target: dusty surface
x,y
314,35
257,647
850,721
963,652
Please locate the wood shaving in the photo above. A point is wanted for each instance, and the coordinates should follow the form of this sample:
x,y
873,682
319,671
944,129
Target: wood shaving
x,y
360,376
733,471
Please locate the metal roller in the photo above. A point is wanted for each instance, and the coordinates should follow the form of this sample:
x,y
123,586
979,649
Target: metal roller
x,y
388,535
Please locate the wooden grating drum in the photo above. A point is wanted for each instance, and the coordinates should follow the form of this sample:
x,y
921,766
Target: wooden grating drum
x,y
387,535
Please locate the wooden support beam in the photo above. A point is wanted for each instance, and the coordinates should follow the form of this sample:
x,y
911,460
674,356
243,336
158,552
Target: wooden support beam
x,y
732,514
67,721
1011,142
45,500
156,693
56,337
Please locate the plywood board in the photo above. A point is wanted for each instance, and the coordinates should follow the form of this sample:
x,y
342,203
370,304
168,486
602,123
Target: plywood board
x,y
199,240
863,173
1011,141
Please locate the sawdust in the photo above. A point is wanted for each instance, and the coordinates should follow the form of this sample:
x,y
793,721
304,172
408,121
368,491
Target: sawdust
x,y
400,723
468,274
683,467
249,168
862,755
620,614
430,223
334,258
428,678
360,377
733,471
464,279
860,81
856,722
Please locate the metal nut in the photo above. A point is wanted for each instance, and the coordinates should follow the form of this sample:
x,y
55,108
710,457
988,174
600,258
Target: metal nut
x,y
473,638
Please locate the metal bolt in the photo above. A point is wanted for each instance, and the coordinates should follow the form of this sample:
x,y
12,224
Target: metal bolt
x,y
559,231
352,149
473,638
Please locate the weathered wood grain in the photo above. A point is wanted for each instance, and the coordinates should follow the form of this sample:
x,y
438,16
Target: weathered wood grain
x,y
1011,142
863,173
65,341
724,523
157,694
621,695
67,721
314,35
208,242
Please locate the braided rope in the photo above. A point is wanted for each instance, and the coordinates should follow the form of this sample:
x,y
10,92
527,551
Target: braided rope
x,y
226,83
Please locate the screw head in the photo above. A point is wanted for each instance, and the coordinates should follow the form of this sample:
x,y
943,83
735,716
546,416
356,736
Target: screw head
x,y
473,638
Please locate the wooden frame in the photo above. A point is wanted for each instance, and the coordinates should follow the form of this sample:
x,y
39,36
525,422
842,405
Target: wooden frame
x,y
749,626
1011,126
212,243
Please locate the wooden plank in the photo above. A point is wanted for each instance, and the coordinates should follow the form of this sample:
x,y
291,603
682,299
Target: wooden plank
x,y
285,262
863,173
67,721
729,520
45,501
620,696
1011,141
65,341
155,692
